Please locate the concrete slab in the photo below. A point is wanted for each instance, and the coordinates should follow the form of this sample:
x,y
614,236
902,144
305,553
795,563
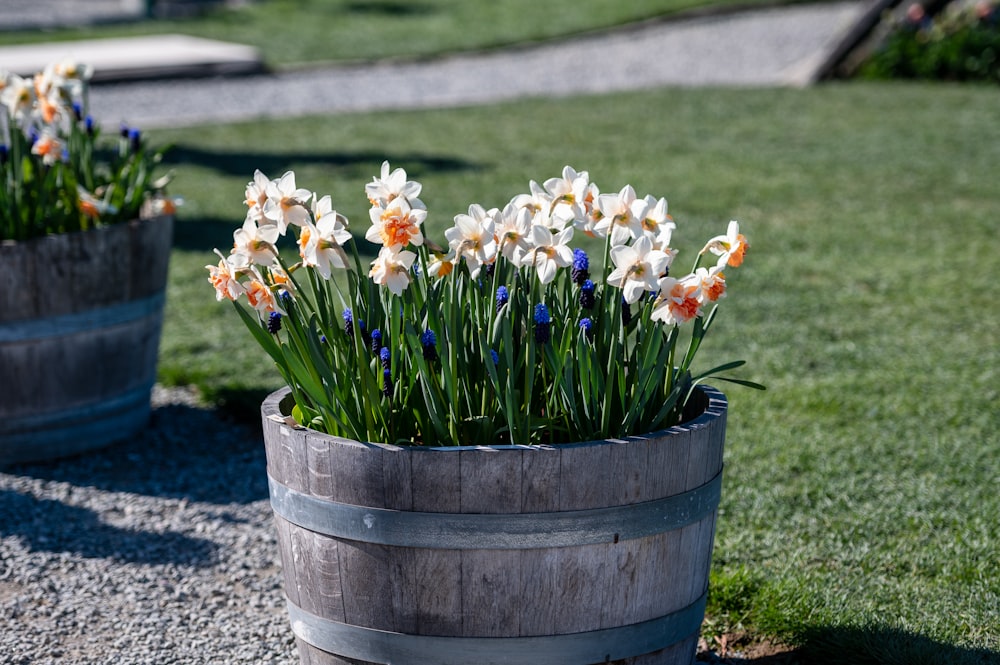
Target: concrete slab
x,y
48,14
138,58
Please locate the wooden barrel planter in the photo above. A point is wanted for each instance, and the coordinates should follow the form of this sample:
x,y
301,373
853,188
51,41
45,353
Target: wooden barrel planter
x,y
80,320
585,553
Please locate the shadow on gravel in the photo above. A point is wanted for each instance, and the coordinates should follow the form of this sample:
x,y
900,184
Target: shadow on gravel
x,y
788,658
185,453
46,525
274,164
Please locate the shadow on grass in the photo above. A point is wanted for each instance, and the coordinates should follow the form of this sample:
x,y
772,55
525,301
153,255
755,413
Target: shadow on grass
x,y
241,405
389,8
45,525
205,233
185,453
884,645
242,163
872,645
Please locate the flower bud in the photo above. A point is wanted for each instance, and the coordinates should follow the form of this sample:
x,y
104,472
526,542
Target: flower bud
x,y
543,324
348,317
386,383
587,299
135,139
581,267
428,340
502,297
274,323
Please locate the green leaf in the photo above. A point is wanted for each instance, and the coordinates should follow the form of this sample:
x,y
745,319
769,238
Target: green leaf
x,y
263,337
741,382
725,367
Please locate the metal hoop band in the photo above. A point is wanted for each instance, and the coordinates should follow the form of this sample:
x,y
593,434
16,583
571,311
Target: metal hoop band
x,y
494,531
71,324
598,646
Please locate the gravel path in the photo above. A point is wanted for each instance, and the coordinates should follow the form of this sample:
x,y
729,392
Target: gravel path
x,y
769,47
159,550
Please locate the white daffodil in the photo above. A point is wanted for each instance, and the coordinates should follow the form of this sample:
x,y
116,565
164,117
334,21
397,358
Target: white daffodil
x,y
711,284
513,232
385,189
51,111
225,275
255,242
397,224
323,207
570,197
18,95
68,76
91,206
569,194
256,195
49,147
549,252
587,224
618,216
676,302
656,223
638,267
285,203
441,265
730,248
473,237
321,244
538,202
391,269
278,276
259,295
68,69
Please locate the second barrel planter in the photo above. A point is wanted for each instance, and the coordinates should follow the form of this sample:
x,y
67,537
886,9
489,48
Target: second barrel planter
x,y
562,555
80,322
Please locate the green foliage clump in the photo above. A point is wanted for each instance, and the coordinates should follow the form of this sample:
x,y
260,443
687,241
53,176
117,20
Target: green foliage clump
x,y
57,176
962,43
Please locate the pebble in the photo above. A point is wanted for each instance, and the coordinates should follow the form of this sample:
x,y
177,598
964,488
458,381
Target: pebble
x,y
158,550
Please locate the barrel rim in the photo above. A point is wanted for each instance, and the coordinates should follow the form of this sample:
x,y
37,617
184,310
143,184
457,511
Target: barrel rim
x,y
30,243
715,408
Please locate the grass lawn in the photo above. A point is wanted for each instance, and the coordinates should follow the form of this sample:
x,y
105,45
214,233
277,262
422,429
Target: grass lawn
x,y
861,511
290,32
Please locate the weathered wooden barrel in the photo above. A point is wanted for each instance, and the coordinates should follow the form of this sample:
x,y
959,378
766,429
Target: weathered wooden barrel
x,y
575,554
80,321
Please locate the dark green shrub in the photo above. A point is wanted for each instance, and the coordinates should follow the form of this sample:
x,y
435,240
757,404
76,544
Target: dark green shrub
x,y
961,43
